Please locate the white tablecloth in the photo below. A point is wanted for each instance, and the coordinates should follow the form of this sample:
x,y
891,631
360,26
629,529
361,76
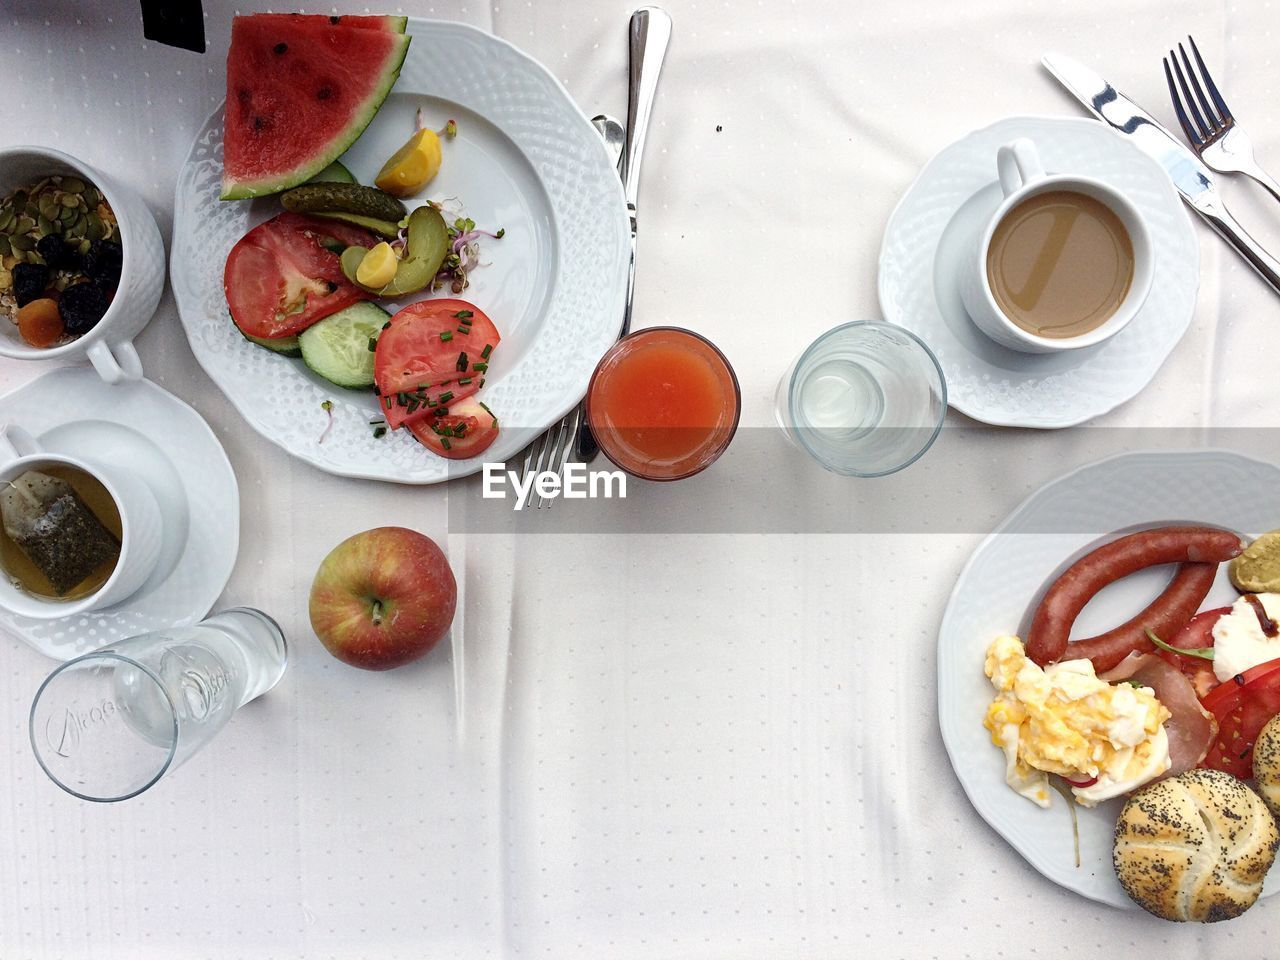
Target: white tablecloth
x,y
705,745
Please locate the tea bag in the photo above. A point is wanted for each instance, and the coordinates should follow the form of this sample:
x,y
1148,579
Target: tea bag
x,y
59,534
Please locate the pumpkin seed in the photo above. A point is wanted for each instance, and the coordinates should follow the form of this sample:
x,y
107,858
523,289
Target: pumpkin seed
x,y
73,185
23,243
70,200
84,246
32,210
45,226
91,196
33,257
4,246
95,229
67,215
48,206
7,221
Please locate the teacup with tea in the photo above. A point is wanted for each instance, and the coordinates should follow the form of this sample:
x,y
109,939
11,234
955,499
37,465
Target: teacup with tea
x,y
1064,262
74,536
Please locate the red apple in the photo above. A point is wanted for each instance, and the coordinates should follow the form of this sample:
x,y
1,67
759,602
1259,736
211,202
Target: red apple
x,y
383,598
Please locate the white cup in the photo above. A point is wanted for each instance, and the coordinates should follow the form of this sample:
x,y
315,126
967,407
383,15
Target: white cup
x,y
109,345
139,522
1022,176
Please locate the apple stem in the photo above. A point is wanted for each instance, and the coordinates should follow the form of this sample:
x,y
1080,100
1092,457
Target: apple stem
x,y
377,612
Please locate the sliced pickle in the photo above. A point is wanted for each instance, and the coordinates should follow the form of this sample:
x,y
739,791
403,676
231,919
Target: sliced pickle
x,y
425,250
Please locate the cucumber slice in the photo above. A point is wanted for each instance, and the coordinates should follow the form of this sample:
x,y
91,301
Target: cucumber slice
x,y
333,173
337,347
285,346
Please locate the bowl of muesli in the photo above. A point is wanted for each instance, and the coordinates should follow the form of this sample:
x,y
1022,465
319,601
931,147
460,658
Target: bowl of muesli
x,y
81,263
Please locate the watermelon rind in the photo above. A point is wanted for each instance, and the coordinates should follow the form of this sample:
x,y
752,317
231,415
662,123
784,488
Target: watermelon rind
x,y
361,118
397,24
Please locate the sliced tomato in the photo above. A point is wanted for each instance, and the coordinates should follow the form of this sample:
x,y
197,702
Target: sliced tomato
x,y
1196,635
286,274
430,350
467,430
1242,706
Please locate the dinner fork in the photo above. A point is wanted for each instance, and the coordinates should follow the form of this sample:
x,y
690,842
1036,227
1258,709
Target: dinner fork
x,y
1214,135
550,451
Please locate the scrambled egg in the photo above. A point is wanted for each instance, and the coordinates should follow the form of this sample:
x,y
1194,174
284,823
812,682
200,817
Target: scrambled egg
x,y
1062,719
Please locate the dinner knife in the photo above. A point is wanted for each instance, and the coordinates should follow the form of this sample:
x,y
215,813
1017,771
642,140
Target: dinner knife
x,y
649,34
1190,176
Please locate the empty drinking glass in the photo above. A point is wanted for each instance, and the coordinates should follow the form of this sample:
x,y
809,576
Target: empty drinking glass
x,y
865,399
108,725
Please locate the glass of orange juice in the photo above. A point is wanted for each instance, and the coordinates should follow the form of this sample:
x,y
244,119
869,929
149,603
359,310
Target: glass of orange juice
x,y
663,403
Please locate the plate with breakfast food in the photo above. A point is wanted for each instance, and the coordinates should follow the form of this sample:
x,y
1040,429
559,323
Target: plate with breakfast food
x,y
399,247
1109,681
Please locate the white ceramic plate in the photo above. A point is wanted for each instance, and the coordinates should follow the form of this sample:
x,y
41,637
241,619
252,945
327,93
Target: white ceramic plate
x,y
1005,575
139,427
526,160
937,222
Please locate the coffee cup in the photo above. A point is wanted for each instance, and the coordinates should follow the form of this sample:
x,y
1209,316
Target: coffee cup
x,y
1064,262
139,534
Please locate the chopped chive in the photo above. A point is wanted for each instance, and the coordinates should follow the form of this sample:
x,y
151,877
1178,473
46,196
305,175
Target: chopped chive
x,y
444,442
414,403
446,396
464,381
441,411
446,336
379,432
402,398
479,367
373,344
502,232
387,401
484,354
462,363
459,430
481,384
462,314
387,324
462,330
374,423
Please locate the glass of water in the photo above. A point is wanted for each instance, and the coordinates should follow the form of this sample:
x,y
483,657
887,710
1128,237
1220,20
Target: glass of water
x,y
108,725
865,399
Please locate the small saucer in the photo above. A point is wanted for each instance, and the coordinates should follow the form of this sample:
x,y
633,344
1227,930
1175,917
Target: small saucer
x,y
145,429
938,222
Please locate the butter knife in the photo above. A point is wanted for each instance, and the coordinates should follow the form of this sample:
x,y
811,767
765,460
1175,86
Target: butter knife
x,y
1192,178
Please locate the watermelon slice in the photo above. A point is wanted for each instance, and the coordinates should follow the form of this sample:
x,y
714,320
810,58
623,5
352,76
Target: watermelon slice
x,y
299,93
388,23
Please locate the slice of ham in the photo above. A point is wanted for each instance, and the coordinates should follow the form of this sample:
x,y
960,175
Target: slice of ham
x,y
1190,727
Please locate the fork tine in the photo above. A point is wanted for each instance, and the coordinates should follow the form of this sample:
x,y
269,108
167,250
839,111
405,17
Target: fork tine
x,y
1183,119
1214,122
1188,100
553,450
1208,82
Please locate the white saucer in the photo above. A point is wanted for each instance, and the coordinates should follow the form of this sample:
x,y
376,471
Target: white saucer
x,y
937,222
143,428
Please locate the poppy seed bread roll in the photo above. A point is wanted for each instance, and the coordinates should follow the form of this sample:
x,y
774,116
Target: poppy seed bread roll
x,y
1266,764
1195,847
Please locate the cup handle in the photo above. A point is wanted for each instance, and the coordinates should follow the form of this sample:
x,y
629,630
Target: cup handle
x,y
16,442
117,363
1018,164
